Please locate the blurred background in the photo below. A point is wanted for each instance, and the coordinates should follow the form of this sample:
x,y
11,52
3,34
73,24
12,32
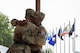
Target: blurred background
x,y
57,14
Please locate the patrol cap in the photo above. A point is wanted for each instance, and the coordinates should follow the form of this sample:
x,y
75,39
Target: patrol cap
x,y
29,12
42,15
14,22
38,14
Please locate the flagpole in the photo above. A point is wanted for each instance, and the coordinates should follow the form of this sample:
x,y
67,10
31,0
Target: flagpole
x,y
52,35
74,33
47,44
69,38
74,37
56,40
60,42
37,5
73,44
49,35
64,40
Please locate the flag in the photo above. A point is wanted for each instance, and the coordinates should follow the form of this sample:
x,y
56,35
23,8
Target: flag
x,y
59,33
72,29
66,30
54,36
49,38
52,41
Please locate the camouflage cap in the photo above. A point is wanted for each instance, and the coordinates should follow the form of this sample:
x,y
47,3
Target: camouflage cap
x,y
42,15
29,12
14,22
38,14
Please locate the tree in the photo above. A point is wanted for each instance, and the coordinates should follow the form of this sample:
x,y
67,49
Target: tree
x,y
6,36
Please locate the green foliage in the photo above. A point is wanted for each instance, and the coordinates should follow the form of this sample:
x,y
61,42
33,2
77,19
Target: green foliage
x,y
6,36
48,50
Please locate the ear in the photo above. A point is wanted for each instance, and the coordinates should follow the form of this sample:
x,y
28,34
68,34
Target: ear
x,y
14,22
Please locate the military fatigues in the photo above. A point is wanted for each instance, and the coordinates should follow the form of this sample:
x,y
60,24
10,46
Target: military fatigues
x,y
40,40
33,38
28,38
19,48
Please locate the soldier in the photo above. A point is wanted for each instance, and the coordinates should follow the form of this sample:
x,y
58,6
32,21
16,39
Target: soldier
x,y
27,33
19,45
37,39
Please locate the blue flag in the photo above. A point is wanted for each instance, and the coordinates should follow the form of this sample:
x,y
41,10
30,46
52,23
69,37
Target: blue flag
x,y
59,34
72,29
49,38
51,41
54,36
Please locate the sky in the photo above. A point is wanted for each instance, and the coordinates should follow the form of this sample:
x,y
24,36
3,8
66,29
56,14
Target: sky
x,y
57,12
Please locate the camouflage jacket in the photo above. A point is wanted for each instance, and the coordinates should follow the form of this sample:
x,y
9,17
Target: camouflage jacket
x,y
29,29
34,35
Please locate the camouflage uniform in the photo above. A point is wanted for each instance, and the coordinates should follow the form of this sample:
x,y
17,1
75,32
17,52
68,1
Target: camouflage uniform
x,y
19,46
37,37
28,38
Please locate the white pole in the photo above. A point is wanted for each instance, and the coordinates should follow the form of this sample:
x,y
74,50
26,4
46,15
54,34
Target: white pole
x,y
47,43
69,38
74,36
64,40
53,35
60,41
56,40
73,44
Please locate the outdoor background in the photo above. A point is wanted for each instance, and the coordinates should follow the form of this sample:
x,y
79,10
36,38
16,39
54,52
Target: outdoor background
x,y
57,12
